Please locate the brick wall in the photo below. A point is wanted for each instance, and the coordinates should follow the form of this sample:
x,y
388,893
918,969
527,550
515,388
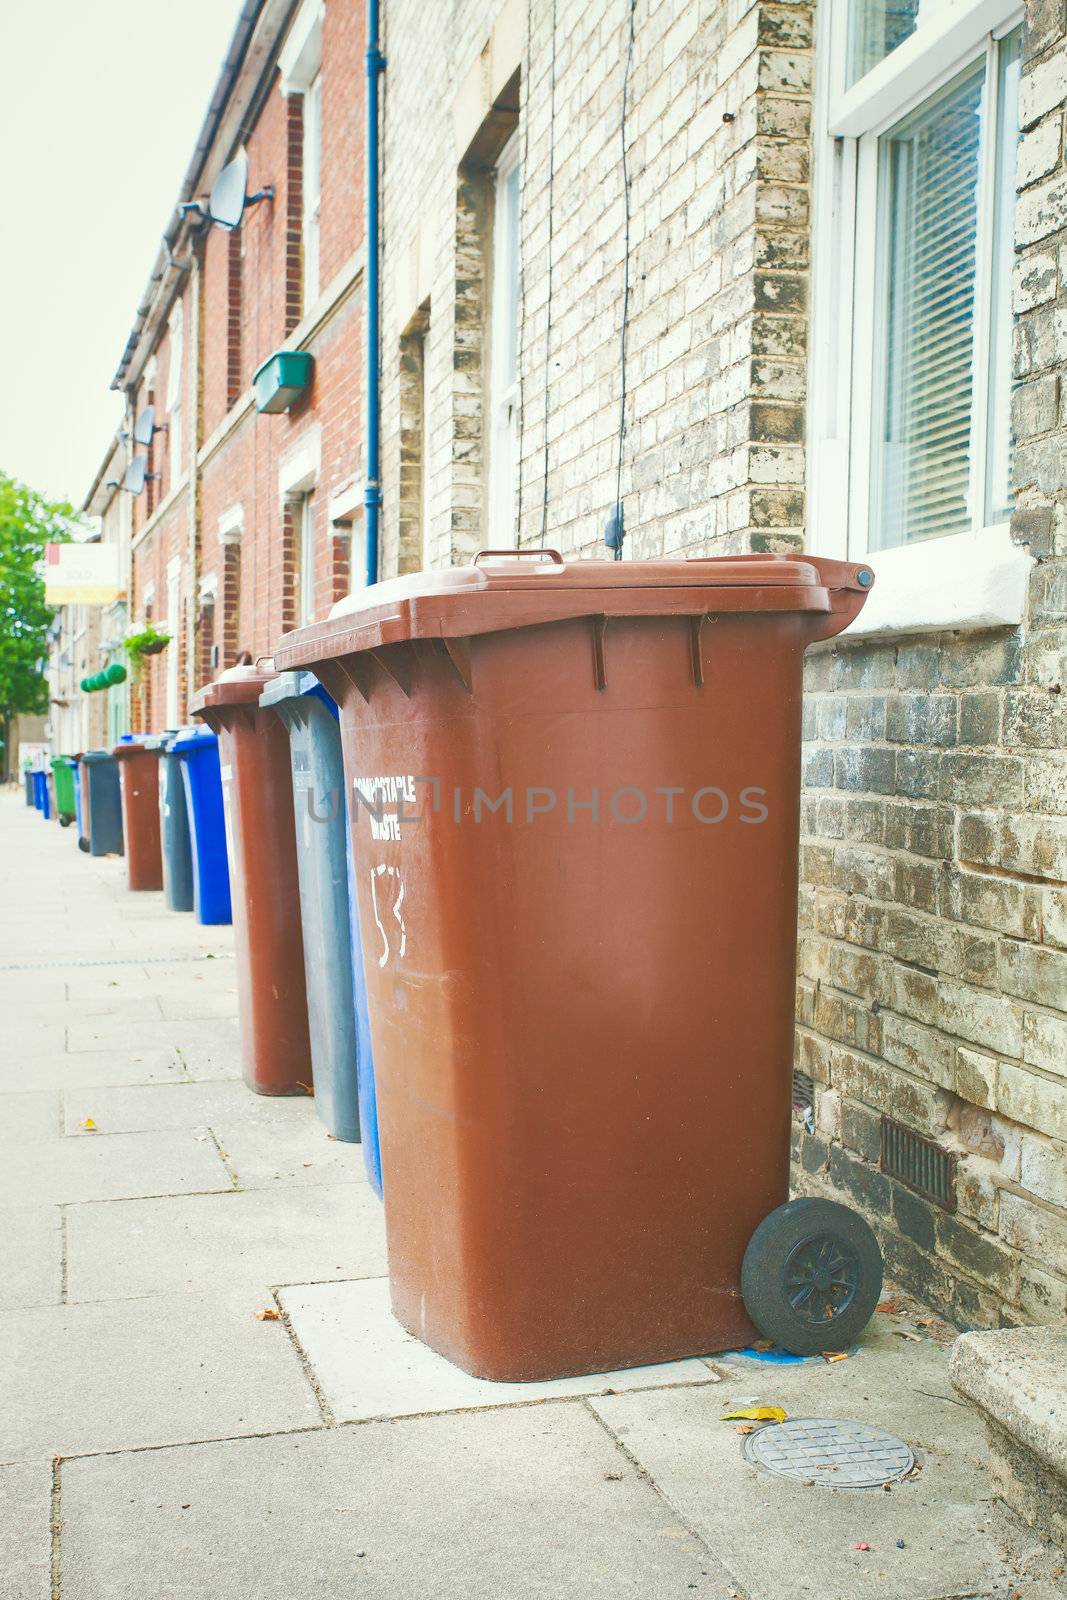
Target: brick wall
x,y
932,964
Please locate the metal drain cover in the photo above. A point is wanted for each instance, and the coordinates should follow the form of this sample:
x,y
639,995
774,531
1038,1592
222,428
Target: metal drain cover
x,y
841,1455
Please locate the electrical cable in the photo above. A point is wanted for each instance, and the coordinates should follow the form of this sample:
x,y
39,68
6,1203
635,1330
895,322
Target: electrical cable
x,y
548,303
625,278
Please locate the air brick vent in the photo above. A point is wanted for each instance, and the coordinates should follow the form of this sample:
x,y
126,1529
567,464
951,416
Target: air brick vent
x,y
803,1092
919,1163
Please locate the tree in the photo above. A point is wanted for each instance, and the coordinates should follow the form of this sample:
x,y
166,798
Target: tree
x,y
27,523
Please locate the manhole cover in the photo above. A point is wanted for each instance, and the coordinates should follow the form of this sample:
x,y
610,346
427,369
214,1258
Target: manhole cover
x,y
842,1455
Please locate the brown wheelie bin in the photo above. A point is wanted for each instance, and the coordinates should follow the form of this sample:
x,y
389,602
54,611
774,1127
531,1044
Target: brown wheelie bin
x,y
139,777
257,789
574,795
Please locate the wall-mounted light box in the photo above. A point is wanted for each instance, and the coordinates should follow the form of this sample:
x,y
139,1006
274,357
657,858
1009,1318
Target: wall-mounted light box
x,y
282,379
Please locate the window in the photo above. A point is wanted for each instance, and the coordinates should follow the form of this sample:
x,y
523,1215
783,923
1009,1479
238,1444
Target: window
x,y
312,184
911,359
174,393
305,600
504,348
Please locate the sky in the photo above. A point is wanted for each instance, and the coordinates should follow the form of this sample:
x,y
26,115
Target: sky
x,y
101,107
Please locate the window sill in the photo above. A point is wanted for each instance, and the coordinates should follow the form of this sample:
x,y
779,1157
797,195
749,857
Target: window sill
x,y
967,581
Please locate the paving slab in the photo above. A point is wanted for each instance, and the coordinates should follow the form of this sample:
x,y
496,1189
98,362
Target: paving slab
x,y
783,1540
102,1034
85,1378
368,1366
26,1532
205,1243
29,1114
119,1166
192,1003
29,1039
206,1063
154,1107
31,1255
530,1503
61,1071
157,978
280,1143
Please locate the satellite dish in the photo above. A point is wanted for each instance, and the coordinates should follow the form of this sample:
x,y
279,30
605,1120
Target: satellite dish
x,y
227,202
136,475
145,426
229,196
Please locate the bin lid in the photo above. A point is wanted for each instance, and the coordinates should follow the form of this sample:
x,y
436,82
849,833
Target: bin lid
x,y
296,687
92,756
130,745
283,686
192,739
159,741
504,589
237,686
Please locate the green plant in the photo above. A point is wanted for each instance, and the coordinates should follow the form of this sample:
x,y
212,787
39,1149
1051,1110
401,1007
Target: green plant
x,y
148,641
27,523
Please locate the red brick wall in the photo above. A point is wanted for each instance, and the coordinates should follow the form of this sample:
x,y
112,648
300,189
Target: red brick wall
x,y
251,300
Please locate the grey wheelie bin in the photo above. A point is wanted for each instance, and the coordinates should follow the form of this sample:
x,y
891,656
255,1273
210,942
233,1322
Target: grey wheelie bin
x,y
173,825
105,803
310,717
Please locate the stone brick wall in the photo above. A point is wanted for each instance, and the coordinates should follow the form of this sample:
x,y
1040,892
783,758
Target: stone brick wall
x,y
933,949
932,964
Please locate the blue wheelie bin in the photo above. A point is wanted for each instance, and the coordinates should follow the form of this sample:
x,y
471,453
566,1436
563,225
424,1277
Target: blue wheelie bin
x,y
197,750
40,794
174,833
101,771
333,960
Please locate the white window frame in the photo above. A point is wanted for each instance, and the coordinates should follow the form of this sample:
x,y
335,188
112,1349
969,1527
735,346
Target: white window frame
x,y
300,69
312,189
972,579
305,594
503,522
176,330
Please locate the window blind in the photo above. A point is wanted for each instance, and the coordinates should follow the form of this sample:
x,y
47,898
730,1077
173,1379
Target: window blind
x,y
930,180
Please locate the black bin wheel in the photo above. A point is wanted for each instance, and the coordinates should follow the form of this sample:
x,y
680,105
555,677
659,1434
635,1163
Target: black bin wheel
x,y
812,1276
65,821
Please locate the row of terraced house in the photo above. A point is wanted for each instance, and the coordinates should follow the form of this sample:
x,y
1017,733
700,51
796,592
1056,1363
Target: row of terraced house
x,y
727,275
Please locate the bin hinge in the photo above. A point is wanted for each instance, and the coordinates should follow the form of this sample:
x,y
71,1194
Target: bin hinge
x,y
600,627
696,628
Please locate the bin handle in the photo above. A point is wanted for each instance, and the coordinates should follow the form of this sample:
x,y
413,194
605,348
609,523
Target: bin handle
x,y
509,555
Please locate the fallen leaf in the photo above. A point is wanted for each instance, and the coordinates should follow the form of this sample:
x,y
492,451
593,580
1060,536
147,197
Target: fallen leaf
x,y
892,1306
763,1344
307,1087
745,1427
755,1414
268,1314
88,1124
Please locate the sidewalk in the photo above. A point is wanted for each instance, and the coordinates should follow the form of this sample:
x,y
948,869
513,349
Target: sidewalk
x,y
159,1438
